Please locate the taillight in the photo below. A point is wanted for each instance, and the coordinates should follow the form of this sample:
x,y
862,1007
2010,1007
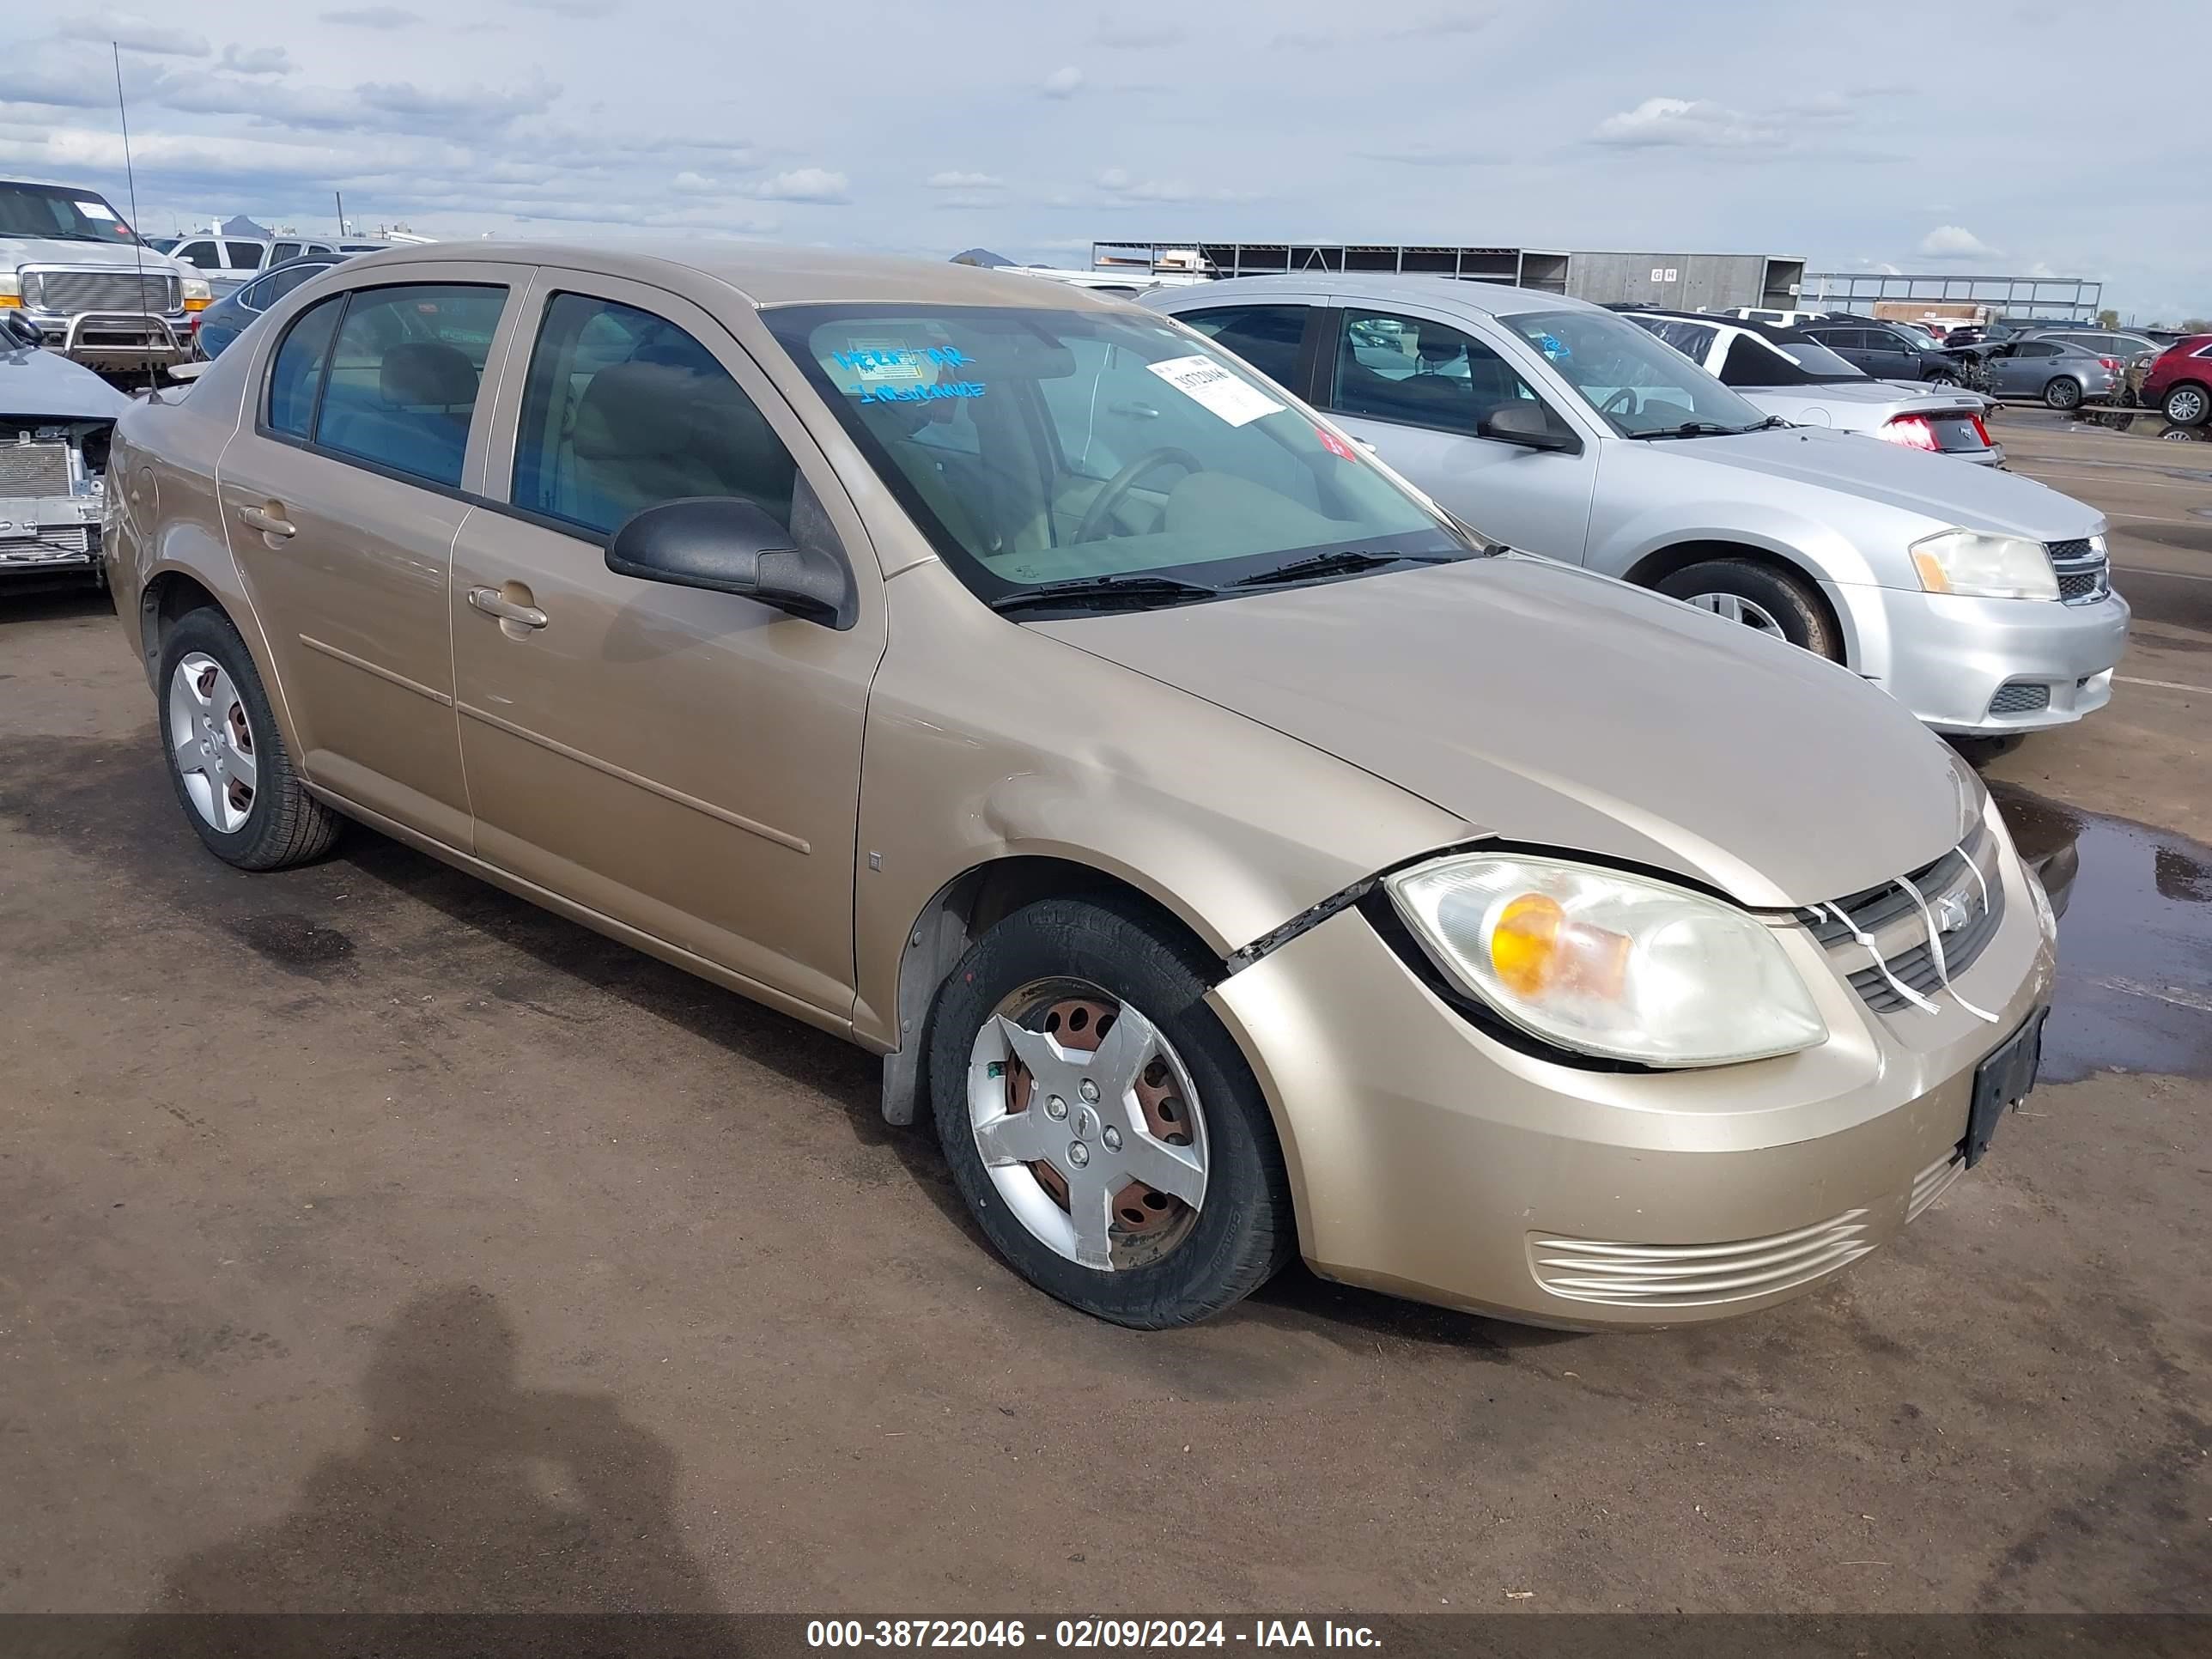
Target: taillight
x,y
2113,363
1980,431
1913,431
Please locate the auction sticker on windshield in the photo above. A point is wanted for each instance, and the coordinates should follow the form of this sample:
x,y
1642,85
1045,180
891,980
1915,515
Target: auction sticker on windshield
x,y
1206,383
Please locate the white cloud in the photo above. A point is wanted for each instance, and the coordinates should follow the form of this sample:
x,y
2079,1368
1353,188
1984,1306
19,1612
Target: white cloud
x,y
372,17
1956,242
950,180
1120,185
694,183
1063,82
255,60
1683,123
818,184
138,34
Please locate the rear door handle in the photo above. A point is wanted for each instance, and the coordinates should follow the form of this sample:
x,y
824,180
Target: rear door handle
x,y
268,522
492,603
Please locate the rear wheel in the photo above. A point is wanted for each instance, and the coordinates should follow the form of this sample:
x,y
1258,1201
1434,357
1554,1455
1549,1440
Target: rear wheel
x,y
2062,393
1101,1122
227,760
1758,596
2188,404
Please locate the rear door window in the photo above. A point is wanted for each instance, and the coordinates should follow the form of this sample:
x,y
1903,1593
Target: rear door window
x,y
295,378
203,254
282,251
624,410
244,256
1266,337
401,384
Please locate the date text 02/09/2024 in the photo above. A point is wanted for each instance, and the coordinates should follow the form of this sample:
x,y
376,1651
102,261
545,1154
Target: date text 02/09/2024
x,y
1081,1634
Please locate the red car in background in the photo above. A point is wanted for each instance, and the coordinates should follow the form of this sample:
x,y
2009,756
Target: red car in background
x,y
2180,381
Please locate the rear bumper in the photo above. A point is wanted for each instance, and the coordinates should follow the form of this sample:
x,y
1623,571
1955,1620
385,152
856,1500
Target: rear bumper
x,y
1431,1161
1947,657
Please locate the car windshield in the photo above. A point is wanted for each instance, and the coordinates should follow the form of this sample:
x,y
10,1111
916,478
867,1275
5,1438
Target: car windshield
x,y
60,214
1037,446
1641,387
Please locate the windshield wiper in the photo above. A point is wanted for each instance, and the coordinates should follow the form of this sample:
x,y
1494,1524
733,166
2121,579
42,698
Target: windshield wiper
x,y
1103,590
1699,430
1342,562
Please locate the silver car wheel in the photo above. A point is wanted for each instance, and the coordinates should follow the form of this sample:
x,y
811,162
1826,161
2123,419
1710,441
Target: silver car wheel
x,y
1734,607
2186,406
1088,1125
211,742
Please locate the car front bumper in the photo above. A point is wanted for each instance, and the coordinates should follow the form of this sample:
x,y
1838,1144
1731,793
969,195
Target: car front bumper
x,y
1947,657
1430,1160
116,340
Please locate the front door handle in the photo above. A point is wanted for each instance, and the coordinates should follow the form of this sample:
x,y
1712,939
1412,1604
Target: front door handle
x,y
493,602
269,520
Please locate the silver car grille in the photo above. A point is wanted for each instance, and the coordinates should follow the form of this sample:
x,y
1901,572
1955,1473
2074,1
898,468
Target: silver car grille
x,y
2084,577
1949,886
2021,697
74,291
1695,1275
35,470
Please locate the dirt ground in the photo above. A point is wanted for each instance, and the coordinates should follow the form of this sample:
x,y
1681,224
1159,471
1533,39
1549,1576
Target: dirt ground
x,y
369,1240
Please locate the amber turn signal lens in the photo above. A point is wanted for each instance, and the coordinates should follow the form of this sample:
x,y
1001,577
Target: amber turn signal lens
x,y
1525,942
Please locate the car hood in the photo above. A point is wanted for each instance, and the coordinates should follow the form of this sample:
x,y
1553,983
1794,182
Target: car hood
x,y
1544,704
16,251
1969,497
46,386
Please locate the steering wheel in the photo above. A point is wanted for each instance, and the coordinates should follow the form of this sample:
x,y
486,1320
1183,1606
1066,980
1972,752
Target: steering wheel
x,y
1631,405
1111,495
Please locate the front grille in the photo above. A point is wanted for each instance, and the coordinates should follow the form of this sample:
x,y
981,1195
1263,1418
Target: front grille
x,y
2083,575
1871,911
2021,697
58,543
75,291
1695,1275
35,470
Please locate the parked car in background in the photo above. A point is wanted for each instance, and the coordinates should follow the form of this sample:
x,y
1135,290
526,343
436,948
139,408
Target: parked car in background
x,y
1478,929
230,262
2179,381
2062,374
71,266
1983,601
2106,342
1885,351
1786,372
57,420
227,318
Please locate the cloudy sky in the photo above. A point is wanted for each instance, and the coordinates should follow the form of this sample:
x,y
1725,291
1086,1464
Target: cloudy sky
x,y
930,125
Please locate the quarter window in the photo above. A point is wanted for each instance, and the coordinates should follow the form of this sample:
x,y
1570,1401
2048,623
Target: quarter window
x,y
1392,368
623,410
297,375
1266,337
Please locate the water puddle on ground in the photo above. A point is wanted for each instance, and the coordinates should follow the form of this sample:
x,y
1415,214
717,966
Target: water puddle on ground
x,y
2141,423
2134,939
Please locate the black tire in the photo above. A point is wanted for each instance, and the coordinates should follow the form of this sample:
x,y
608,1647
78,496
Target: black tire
x,y
2063,393
1943,379
2189,396
285,825
1243,1231
1794,603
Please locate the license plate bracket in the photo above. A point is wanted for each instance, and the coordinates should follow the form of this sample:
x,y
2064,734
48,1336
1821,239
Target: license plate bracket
x,y
2003,1079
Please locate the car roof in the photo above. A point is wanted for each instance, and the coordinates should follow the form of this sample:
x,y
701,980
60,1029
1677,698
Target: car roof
x,y
1496,299
764,276
1779,333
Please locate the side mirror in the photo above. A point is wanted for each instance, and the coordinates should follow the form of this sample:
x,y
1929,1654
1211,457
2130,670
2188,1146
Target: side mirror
x,y
727,545
19,329
1526,424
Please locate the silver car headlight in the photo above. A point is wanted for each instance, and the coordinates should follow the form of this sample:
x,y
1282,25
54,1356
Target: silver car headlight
x,y
1609,964
1984,567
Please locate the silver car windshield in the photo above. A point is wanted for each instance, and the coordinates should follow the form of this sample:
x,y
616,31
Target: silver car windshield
x,y
1642,388
1043,446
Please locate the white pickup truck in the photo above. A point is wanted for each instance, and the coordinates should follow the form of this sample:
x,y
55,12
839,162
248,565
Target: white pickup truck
x,y
71,265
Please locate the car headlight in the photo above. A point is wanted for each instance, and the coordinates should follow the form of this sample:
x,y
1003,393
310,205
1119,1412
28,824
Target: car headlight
x,y
1601,963
1984,567
197,294
11,289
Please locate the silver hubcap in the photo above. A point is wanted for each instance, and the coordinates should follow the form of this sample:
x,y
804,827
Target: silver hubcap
x,y
1735,607
211,742
1088,1124
2186,406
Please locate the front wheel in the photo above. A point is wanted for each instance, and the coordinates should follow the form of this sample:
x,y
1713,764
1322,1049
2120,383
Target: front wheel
x,y
2187,405
1100,1122
1758,596
227,760
2062,393
1943,379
